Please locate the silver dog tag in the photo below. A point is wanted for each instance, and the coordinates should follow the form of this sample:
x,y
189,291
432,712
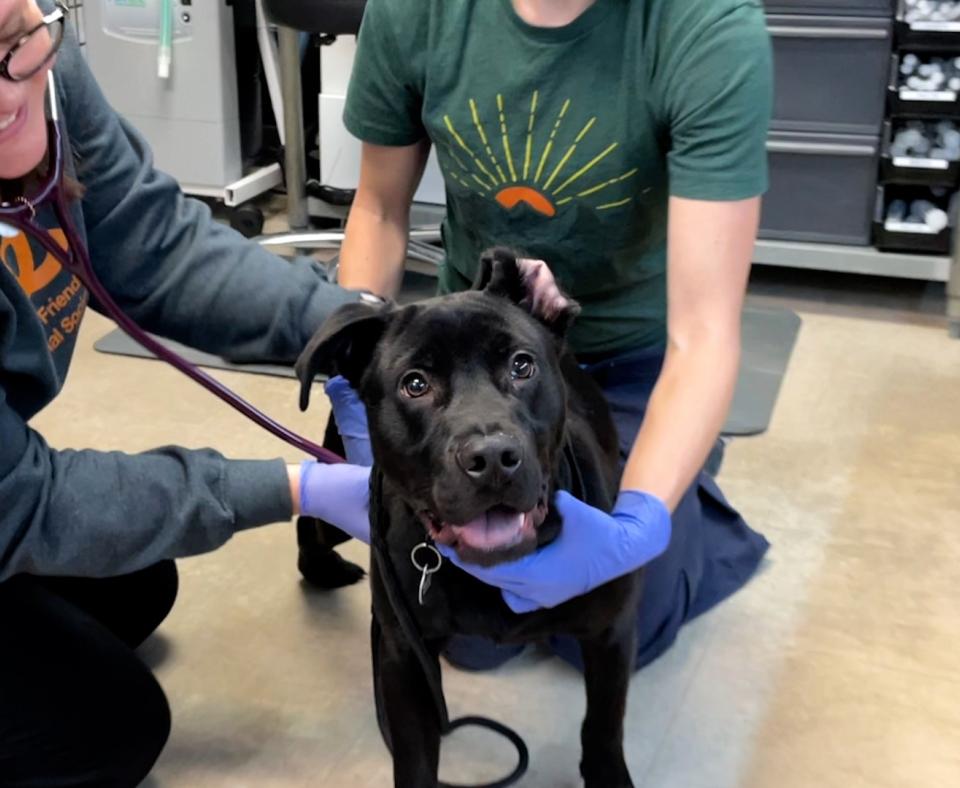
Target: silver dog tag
x,y
427,560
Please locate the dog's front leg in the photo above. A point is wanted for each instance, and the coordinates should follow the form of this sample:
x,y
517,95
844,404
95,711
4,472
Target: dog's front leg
x,y
406,711
608,660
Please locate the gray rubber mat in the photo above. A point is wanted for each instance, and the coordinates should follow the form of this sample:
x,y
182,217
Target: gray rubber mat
x,y
769,336
768,339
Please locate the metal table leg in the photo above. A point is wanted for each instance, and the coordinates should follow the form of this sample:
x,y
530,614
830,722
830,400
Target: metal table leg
x,y
953,283
294,153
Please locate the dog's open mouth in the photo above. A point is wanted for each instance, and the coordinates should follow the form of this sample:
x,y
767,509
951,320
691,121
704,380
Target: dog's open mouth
x,y
500,528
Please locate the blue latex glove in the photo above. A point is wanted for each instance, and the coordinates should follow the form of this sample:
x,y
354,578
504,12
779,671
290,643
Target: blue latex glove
x,y
593,548
339,494
351,418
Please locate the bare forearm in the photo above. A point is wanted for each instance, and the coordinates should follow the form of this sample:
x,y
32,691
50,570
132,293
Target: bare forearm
x,y
374,252
709,248
293,478
684,417
375,249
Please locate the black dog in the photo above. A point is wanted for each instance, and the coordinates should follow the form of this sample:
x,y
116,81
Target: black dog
x,y
477,417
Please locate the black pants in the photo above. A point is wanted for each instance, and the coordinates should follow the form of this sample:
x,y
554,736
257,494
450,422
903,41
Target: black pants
x,y
77,706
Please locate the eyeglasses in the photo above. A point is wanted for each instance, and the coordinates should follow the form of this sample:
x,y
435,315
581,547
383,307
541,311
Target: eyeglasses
x,y
35,47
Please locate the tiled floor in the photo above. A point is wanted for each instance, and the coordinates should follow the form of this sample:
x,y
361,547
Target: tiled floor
x,y
837,666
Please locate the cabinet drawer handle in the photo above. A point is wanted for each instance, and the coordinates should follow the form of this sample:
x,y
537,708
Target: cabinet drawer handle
x,y
784,31
828,148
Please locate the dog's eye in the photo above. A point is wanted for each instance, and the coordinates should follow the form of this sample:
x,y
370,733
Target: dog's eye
x,y
522,366
414,384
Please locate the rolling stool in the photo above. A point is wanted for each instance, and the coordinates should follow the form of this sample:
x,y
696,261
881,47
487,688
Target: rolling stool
x,y
319,564
328,19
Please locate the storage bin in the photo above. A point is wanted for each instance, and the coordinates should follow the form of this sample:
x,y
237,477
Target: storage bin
x,y
891,236
908,103
822,188
830,73
912,170
926,34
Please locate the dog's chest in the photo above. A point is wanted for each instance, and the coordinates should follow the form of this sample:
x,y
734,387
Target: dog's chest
x,y
457,603
453,602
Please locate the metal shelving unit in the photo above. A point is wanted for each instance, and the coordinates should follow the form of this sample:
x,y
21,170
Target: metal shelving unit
x,y
852,260
806,33
870,261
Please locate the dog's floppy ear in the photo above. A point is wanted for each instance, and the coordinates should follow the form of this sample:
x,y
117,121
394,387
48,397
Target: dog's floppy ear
x,y
528,284
343,345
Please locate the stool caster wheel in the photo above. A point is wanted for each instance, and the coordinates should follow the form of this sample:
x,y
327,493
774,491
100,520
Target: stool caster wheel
x,y
247,220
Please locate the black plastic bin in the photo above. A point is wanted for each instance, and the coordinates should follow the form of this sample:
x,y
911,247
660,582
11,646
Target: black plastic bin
x,y
908,103
921,36
912,171
890,237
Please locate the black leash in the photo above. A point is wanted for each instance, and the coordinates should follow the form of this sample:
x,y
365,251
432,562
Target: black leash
x,y
431,668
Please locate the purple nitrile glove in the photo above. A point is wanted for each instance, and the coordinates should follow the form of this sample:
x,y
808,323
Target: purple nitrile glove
x,y
339,494
593,548
351,418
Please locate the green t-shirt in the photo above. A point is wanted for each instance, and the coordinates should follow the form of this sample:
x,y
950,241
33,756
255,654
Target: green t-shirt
x,y
565,143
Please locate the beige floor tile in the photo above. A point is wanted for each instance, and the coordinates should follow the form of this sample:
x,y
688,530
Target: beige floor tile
x,y
836,665
863,513
758,716
833,667
839,720
268,677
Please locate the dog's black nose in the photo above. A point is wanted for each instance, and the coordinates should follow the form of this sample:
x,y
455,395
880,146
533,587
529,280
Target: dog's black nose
x,y
490,458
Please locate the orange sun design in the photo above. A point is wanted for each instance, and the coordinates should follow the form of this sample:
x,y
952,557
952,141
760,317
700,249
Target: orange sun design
x,y
532,181
514,195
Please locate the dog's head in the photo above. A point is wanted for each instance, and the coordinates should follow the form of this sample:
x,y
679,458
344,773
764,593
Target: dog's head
x,y
466,405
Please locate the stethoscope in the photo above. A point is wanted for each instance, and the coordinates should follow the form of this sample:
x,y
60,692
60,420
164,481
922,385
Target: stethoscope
x,y
21,213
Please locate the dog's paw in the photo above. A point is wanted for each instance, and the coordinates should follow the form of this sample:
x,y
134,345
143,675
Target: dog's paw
x,y
607,782
327,569
611,773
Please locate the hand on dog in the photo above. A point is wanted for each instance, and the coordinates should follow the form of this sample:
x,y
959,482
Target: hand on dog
x,y
544,298
593,548
351,418
338,494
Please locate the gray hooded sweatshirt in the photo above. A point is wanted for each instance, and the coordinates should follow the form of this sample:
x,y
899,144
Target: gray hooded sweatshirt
x,y
179,274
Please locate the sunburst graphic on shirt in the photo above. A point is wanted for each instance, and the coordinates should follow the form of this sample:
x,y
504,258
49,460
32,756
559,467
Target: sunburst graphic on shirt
x,y
544,176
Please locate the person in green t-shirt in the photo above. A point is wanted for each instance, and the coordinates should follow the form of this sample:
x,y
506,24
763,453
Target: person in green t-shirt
x,y
623,143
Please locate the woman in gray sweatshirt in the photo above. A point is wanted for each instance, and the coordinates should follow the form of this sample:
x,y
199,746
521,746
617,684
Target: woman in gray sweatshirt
x,y
87,538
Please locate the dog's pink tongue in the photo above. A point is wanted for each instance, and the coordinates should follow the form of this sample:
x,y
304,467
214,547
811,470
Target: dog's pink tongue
x,y
490,531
